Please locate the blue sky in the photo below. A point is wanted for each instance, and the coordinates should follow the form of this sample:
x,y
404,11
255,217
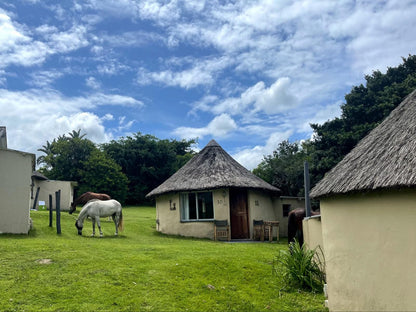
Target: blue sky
x,y
248,74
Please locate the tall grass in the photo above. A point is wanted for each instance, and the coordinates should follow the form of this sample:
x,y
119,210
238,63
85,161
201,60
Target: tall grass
x,y
303,268
140,270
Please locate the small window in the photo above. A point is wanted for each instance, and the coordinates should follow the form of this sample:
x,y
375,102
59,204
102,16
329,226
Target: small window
x,y
197,206
286,210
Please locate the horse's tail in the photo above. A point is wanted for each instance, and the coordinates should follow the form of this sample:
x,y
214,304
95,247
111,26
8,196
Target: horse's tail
x,y
121,222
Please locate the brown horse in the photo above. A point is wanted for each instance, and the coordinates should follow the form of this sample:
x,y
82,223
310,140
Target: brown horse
x,y
294,224
85,198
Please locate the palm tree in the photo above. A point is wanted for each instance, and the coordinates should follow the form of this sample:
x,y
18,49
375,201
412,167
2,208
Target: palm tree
x,y
76,134
47,149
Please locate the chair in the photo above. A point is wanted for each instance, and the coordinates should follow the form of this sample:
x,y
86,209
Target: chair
x,y
258,229
221,230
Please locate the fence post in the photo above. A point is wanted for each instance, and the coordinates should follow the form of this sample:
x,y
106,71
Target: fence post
x,y
35,202
58,211
307,186
50,210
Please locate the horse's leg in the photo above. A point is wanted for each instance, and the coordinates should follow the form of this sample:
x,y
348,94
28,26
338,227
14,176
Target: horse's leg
x,y
93,226
116,220
99,226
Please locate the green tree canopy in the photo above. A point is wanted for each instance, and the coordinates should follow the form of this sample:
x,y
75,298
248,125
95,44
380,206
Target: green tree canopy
x,y
64,157
147,161
284,169
364,108
101,173
75,158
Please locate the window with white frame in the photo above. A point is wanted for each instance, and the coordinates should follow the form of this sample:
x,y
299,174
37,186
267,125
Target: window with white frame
x,y
197,206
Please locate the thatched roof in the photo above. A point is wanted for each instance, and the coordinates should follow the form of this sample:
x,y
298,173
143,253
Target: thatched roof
x,y
211,168
39,176
384,159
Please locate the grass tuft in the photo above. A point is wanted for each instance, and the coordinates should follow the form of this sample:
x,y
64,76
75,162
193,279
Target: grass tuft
x,y
301,267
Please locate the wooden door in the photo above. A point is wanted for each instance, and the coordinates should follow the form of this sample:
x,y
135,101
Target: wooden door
x,y
239,214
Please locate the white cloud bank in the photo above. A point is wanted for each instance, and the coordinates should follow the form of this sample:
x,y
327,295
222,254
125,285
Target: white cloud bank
x,y
33,117
219,127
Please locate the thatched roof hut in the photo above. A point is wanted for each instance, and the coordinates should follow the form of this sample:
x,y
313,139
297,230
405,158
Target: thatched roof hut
x,y
384,159
213,187
210,169
368,213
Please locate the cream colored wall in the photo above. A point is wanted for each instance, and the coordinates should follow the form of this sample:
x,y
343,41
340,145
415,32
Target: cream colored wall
x,y
221,198
312,232
15,171
294,202
170,220
261,206
370,251
50,187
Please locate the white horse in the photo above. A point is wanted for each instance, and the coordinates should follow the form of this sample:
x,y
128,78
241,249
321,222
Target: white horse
x,y
100,208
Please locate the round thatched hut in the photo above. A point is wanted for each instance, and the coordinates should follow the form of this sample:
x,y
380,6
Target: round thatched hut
x,y
213,186
368,211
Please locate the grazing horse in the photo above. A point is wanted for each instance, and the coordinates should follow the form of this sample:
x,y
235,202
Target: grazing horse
x,y
85,198
100,208
294,224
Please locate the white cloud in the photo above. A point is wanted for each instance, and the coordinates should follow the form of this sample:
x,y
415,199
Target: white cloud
x,y
66,41
34,116
277,98
185,79
16,47
198,72
220,126
251,157
45,78
377,34
92,83
19,48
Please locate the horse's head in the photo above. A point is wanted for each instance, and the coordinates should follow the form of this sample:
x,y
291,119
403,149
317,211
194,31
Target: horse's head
x,y
73,207
78,227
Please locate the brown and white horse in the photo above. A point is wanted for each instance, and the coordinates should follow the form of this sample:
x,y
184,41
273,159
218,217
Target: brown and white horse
x,y
85,198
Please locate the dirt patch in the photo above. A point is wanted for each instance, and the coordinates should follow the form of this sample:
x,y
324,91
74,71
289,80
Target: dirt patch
x,y
44,261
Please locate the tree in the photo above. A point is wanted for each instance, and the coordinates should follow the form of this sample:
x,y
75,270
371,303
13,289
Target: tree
x,y
284,169
147,161
76,158
44,159
365,107
64,157
102,174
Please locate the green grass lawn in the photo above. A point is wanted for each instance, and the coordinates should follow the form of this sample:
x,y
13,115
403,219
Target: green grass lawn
x,y
140,270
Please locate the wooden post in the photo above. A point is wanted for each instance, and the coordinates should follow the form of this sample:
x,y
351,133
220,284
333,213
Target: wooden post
x,y
58,211
50,210
307,186
36,199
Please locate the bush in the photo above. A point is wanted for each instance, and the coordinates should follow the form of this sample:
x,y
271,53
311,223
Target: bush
x,y
302,268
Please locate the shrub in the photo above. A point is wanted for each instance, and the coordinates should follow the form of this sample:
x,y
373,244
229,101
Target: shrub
x,y
301,267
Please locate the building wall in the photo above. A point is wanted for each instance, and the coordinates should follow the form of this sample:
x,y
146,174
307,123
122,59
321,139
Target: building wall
x,y
49,187
15,171
312,232
169,220
370,251
294,202
261,206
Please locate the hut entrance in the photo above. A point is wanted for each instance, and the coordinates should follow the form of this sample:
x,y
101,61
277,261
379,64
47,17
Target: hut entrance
x,y
239,214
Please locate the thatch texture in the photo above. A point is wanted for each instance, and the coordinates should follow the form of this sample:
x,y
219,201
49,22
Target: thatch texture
x,y
39,176
384,159
211,168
